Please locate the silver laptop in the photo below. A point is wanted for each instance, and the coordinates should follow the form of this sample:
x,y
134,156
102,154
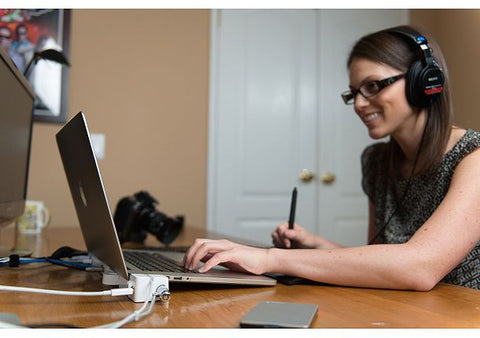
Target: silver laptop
x,y
98,228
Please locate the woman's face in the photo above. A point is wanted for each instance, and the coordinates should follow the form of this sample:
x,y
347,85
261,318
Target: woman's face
x,y
388,112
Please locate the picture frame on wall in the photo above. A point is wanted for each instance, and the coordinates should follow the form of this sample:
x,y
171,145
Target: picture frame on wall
x,y
31,32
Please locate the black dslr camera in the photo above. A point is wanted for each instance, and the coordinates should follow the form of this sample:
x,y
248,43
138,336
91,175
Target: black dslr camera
x,y
136,215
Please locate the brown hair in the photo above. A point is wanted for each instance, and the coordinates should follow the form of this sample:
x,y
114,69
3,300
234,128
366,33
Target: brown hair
x,y
394,51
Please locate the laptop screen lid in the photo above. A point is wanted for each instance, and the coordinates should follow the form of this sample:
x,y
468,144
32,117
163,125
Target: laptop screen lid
x,y
96,221
88,194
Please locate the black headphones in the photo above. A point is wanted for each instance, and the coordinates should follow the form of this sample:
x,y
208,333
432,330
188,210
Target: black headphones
x,y
424,78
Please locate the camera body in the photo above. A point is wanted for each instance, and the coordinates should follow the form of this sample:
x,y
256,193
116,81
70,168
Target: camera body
x,y
136,216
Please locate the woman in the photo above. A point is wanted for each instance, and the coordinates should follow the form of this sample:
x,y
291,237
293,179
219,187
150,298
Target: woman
x,y
423,185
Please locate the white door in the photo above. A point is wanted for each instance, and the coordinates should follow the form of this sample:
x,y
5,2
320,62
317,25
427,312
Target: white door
x,y
275,109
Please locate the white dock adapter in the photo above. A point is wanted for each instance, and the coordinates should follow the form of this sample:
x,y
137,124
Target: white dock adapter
x,y
146,286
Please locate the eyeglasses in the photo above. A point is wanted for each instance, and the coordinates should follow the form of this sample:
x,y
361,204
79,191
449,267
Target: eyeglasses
x,y
369,89
7,37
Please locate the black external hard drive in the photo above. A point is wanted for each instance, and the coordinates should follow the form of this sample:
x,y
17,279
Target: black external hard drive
x,y
280,314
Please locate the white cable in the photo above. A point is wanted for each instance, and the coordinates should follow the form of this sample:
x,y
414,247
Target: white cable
x,y
112,292
135,316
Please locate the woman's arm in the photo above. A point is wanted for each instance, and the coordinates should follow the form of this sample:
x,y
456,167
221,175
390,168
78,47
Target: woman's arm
x,y
436,248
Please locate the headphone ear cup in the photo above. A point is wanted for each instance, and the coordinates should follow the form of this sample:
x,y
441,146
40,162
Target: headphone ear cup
x,y
413,86
422,83
432,80
424,79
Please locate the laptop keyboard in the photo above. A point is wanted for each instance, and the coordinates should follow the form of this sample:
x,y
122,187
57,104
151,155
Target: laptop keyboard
x,y
153,261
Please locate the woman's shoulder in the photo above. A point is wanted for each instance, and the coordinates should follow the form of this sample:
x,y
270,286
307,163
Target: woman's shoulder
x,y
375,151
374,158
374,162
463,141
471,136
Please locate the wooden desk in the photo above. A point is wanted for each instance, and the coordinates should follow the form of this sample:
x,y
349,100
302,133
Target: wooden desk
x,y
202,306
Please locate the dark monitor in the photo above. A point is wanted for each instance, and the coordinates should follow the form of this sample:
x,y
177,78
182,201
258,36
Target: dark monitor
x,y
16,120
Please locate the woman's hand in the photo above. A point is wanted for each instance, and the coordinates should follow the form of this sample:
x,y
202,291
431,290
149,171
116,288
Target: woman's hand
x,y
299,238
234,256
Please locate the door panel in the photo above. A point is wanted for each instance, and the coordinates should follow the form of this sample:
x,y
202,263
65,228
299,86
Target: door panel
x,y
265,119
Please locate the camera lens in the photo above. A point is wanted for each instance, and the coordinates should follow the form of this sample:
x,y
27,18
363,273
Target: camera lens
x,y
164,228
135,216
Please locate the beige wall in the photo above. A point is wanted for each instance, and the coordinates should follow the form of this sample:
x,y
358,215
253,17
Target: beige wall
x,y
457,32
141,78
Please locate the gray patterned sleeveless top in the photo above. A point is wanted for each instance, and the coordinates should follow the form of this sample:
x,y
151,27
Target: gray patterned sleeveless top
x,y
423,196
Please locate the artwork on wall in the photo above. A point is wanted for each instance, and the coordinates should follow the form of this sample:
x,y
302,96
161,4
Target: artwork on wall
x,y
37,40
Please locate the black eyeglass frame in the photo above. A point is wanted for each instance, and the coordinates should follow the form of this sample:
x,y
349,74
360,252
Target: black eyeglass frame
x,y
350,95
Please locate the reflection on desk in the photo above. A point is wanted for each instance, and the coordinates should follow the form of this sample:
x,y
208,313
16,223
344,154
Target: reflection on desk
x,y
207,306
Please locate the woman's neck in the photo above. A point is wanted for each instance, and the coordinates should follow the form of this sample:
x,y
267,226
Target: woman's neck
x,y
410,136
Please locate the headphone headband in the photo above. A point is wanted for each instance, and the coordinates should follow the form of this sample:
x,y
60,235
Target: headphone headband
x,y
416,40
425,78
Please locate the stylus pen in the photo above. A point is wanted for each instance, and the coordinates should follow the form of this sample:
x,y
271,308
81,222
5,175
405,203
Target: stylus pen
x,y
293,206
